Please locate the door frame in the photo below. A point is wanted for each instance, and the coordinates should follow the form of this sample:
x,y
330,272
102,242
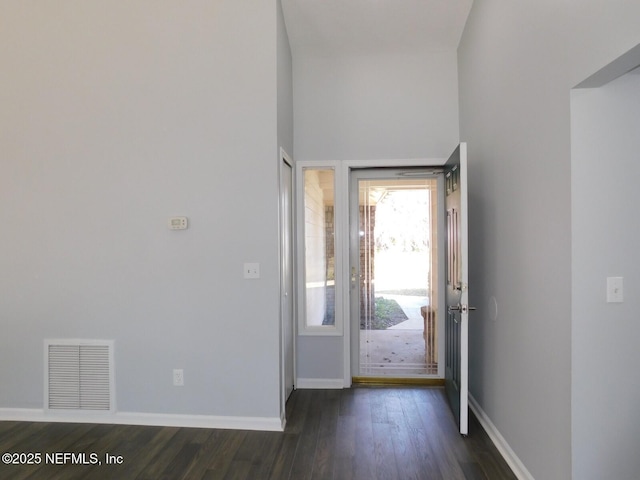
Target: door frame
x,y
284,158
343,172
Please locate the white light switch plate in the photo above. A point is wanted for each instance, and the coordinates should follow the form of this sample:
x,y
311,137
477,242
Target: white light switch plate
x,y
614,290
251,270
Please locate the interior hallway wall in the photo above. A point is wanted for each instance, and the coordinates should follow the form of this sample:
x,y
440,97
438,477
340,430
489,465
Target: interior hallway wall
x,y
514,114
606,234
116,115
533,248
387,106
376,107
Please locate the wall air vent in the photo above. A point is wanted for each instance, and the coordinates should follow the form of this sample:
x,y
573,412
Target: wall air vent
x,y
79,375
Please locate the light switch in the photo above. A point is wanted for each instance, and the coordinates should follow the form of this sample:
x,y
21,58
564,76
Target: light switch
x,y
614,290
251,270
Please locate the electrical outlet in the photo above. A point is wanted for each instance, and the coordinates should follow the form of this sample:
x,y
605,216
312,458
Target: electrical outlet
x,y
615,290
178,377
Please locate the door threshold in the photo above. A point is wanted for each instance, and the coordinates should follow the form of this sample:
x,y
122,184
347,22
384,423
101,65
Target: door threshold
x,y
425,382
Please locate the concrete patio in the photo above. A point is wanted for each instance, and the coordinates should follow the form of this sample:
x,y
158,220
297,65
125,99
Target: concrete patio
x,y
400,349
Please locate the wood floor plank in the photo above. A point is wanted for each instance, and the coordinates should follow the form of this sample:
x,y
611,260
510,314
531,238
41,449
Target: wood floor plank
x,y
324,461
348,403
384,456
297,408
364,461
209,442
345,445
264,466
238,470
439,440
181,462
253,457
378,401
283,461
55,438
135,446
407,460
400,433
219,463
94,444
472,471
357,433
138,451
302,467
9,430
167,454
345,441
426,457
17,436
419,437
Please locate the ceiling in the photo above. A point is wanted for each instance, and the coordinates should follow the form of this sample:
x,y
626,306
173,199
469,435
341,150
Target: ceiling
x,y
365,27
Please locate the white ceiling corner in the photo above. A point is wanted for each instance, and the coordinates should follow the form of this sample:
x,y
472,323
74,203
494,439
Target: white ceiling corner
x,y
365,27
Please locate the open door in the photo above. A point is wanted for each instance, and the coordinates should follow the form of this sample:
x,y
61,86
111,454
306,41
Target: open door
x,y
457,291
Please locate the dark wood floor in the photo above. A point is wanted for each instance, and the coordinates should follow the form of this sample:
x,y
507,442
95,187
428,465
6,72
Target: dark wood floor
x,y
359,433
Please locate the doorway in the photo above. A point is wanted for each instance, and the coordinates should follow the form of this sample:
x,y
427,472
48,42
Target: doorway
x,y
395,267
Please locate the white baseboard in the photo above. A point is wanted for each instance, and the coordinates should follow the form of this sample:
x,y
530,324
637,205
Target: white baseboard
x,y
519,470
274,424
320,383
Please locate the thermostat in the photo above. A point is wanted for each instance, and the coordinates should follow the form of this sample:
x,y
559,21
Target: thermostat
x,y
178,223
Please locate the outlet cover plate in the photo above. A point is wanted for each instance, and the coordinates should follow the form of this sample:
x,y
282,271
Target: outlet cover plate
x,y
178,377
615,290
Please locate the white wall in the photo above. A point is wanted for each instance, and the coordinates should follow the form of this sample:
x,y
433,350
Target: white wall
x,y
542,251
601,31
606,235
514,114
285,85
114,116
387,106
378,106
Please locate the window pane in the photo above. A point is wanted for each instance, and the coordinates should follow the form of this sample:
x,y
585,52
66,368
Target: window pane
x,y
319,247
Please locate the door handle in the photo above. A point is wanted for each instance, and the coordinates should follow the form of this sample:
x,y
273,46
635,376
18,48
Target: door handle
x,y
460,308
